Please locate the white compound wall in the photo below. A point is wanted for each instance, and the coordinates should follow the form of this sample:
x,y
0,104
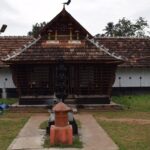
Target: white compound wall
x,y
132,77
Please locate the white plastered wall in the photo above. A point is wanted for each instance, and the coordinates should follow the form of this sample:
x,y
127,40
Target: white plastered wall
x,y
132,77
6,78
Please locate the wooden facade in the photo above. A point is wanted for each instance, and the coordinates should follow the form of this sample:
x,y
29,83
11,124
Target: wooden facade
x,y
36,82
90,69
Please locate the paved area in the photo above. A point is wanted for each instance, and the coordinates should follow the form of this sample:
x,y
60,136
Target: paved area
x,y
30,137
93,136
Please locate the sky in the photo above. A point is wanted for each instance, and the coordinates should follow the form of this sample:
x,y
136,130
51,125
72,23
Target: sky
x,y
20,15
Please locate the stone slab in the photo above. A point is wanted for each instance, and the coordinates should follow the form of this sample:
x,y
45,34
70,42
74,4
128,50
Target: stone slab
x,y
30,137
93,135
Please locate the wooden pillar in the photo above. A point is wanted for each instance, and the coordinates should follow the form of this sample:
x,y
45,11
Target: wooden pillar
x,y
56,34
76,88
49,34
78,80
70,34
77,34
113,76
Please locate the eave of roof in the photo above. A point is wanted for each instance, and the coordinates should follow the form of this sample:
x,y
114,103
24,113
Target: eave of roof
x,y
8,44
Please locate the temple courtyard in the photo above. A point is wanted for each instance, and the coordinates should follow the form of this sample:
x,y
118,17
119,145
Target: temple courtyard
x,y
128,129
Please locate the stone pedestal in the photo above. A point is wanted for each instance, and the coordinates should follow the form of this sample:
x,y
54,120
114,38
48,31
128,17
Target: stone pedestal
x,y
61,135
61,132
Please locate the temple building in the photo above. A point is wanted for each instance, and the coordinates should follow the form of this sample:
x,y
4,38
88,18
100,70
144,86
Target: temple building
x,y
90,67
91,63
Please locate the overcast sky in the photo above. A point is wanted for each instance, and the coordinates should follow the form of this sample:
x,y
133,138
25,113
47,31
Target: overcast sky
x,y
20,15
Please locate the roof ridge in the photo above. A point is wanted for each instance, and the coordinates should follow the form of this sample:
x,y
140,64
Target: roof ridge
x,y
105,50
117,37
10,37
64,12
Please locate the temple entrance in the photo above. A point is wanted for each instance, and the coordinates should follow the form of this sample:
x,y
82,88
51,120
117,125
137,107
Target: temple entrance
x,y
38,82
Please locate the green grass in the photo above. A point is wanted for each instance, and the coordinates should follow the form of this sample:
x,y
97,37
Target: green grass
x,y
44,124
78,123
10,125
128,136
134,102
136,106
8,101
76,143
123,114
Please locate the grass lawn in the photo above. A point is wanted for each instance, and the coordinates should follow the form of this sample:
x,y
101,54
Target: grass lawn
x,y
128,135
10,125
134,102
8,101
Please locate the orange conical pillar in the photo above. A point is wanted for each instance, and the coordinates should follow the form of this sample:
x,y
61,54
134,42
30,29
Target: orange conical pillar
x,y
61,132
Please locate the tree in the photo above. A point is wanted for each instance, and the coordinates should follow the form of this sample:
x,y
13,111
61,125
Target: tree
x,y
127,28
109,29
140,25
36,29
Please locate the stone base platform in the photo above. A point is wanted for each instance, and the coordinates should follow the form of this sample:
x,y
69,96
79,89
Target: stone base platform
x,y
100,107
29,108
82,107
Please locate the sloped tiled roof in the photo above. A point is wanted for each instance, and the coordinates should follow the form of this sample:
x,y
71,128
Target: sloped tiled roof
x,y
38,53
71,49
136,50
9,44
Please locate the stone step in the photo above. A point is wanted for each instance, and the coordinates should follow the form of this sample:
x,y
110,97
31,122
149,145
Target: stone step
x,y
29,108
100,107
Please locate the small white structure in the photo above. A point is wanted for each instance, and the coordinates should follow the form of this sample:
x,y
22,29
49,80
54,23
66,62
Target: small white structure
x,y
6,81
6,78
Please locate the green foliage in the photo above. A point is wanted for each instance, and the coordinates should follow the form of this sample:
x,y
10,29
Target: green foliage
x,y
134,102
126,28
36,29
44,124
78,123
8,101
109,29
